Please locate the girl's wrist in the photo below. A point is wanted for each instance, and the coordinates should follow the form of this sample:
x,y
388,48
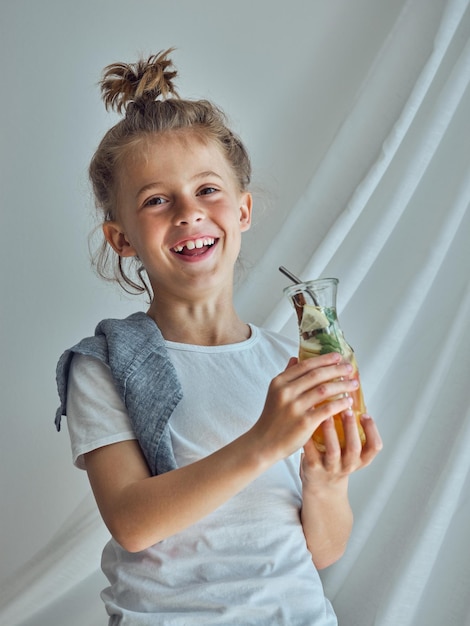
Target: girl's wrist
x,y
328,489
263,454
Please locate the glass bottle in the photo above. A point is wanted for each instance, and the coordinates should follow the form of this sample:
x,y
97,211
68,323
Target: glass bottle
x,y
320,332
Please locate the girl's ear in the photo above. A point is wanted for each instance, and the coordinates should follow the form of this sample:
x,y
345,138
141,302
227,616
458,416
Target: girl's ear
x,y
117,239
245,211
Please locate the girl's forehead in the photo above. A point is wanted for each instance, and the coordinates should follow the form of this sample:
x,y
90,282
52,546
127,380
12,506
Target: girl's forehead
x,y
152,145
171,156
185,145
187,139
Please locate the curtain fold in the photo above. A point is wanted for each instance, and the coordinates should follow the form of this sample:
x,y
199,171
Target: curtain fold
x,y
387,207
396,158
405,227
72,555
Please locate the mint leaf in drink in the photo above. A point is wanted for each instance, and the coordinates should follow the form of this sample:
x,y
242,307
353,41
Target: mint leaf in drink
x,y
329,343
330,314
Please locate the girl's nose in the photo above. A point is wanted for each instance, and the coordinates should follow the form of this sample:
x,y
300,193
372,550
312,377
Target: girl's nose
x,y
187,211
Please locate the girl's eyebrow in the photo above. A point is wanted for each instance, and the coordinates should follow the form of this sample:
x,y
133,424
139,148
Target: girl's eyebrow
x,y
207,173
147,187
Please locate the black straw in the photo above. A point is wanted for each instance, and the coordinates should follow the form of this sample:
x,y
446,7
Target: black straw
x,y
293,277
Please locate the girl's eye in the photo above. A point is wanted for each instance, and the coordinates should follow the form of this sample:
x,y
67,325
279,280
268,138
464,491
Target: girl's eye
x,y
155,201
207,190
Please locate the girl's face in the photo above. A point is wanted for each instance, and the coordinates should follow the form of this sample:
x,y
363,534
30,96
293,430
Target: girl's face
x,y
180,211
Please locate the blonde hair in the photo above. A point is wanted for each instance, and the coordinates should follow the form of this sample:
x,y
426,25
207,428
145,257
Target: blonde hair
x,y
145,93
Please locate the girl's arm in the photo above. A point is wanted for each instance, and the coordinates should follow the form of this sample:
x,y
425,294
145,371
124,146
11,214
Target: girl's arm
x,y
326,514
141,510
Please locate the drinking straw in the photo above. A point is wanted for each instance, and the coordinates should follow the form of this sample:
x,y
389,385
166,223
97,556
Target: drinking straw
x,y
295,279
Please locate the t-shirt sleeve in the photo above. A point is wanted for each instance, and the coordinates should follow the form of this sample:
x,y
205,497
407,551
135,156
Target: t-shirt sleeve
x,y
96,415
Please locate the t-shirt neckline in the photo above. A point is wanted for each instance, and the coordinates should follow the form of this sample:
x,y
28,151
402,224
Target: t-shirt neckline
x,y
229,347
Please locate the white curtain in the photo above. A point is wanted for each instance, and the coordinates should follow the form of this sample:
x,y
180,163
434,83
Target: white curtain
x,y
406,226
387,206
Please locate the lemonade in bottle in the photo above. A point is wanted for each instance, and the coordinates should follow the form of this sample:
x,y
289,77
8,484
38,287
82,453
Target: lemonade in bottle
x,y
315,305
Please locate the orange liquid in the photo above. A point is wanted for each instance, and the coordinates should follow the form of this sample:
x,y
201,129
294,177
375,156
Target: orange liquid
x,y
358,407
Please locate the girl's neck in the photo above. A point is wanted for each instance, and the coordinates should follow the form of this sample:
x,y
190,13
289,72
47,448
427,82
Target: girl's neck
x,y
205,323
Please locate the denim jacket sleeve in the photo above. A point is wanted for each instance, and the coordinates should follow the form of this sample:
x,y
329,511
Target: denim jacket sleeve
x,y
144,376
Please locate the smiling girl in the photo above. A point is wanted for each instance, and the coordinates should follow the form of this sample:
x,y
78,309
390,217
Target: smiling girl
x,y
190,422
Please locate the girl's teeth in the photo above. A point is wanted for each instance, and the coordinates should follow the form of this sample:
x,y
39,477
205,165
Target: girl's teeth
x,y
195,243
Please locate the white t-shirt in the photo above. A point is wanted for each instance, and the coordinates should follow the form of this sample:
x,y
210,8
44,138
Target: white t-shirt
x,y
246,563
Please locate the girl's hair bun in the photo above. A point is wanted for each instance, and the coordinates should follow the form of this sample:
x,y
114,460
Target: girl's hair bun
x,y
145,80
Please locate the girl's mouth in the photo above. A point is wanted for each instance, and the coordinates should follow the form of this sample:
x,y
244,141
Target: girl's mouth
x,y
194,247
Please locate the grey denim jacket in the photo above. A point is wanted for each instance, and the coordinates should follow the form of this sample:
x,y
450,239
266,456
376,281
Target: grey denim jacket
x,y
144,376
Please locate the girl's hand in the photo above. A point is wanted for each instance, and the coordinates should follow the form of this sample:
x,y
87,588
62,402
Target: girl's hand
x,y
320,469
295,405
326,515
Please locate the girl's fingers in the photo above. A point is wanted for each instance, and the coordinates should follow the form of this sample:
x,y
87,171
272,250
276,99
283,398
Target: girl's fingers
x,y
332,454
326,410
311,456
316,367
303,396
292,361
353,450
334,462
373,443
326,391
351,432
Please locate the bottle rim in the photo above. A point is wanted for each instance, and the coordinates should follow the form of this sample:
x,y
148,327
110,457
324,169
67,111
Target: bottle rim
x,y
319,283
